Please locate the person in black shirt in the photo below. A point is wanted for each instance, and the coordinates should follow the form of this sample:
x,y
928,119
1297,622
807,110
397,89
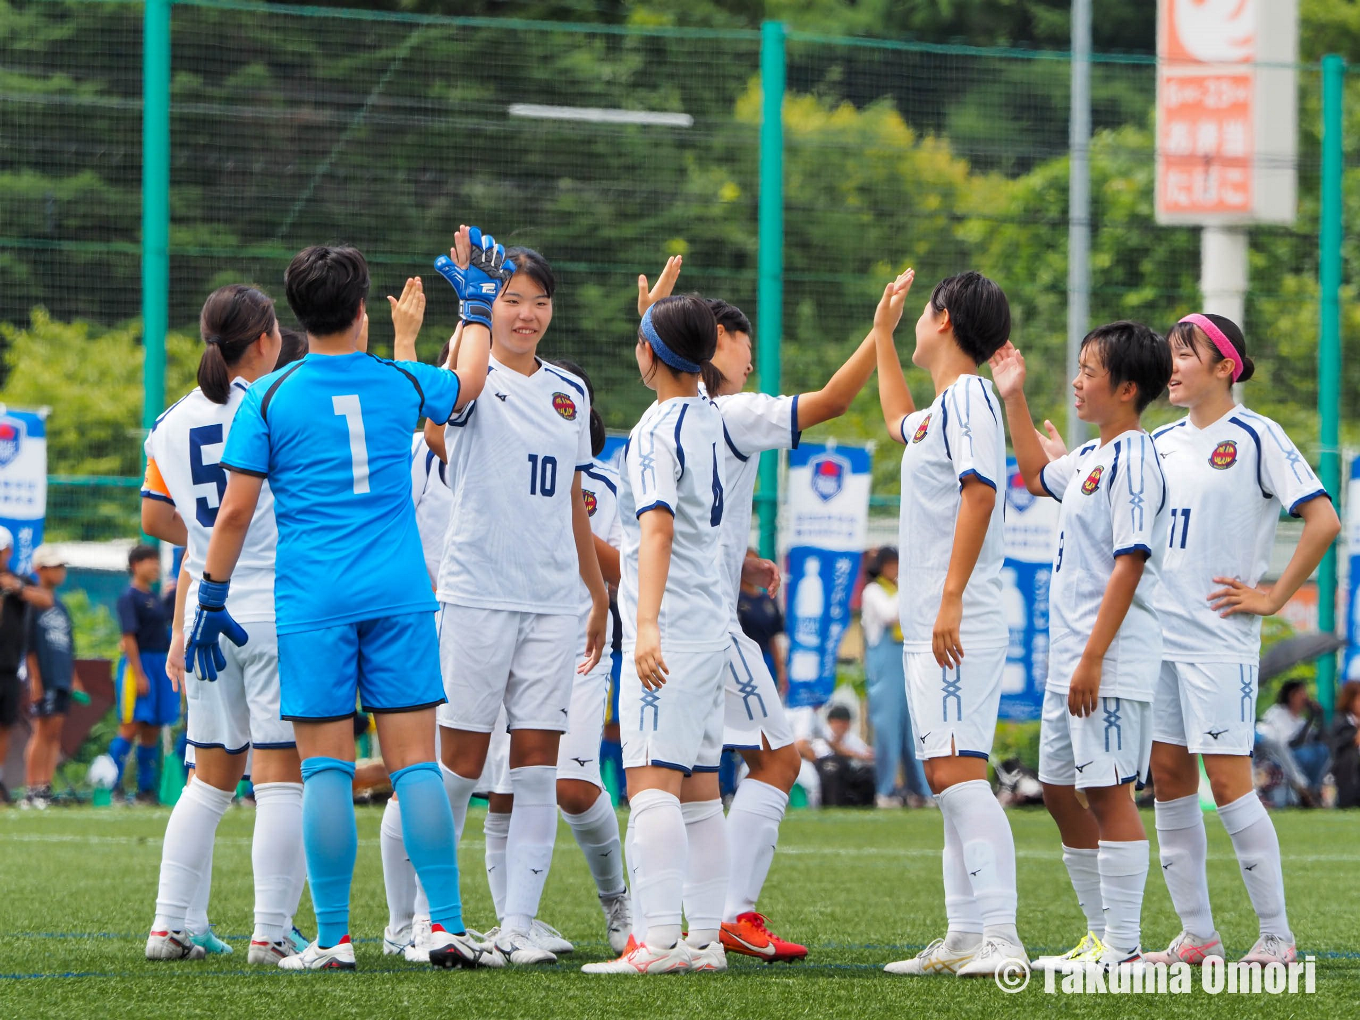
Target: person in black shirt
x,y
761,621
16,595
51,673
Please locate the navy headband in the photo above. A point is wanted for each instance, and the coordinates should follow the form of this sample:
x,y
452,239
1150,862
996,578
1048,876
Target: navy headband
x,y
675,361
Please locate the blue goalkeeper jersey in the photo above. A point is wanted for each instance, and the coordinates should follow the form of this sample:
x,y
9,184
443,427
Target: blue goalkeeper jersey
x,y
332,433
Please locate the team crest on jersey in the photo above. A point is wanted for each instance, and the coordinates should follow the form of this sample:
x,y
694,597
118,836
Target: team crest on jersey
x,y
564,406
11,440
828,475
1092,482
592,504
1224,455
921,429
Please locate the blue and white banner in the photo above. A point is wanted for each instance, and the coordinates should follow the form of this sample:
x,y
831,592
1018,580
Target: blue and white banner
x,y
827,503
1350,663
1031,531
23,482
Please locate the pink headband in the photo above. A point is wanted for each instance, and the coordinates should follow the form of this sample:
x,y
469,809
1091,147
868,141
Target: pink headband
x,y
1220,341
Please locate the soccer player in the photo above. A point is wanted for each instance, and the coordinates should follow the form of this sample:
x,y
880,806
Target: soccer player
x,y
331,434
518,539
145,697
1105,641
756,724
1230,472
239,713
954,634
673,603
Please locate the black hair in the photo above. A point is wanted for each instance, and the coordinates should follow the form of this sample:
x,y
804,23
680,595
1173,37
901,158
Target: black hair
x,y
1287,690
232,319
444,352
877,560
294,346
1187,334
729,316
596,422
838,712
687,326
1132,352
325,285
139,553
978,311
539,269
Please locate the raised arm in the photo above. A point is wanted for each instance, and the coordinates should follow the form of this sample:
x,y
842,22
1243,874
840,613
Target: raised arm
x,y
408,312
1008,372
893,395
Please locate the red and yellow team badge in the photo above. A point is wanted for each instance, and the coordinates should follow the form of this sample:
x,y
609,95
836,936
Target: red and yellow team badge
x,y
921,429
1092,482
592,504
564,406
1224,455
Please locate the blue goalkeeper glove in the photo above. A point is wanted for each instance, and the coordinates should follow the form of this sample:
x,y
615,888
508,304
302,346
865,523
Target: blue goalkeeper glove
x,y
202,653
485,277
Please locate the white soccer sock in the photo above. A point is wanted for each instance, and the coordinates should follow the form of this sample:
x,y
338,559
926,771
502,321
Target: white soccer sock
x,y
186,857
960,907
1123,875
420,906
752,835
1183,846
1083,868
274,851
596,830
1258,857
399,874
634,866
706,874
988,853
662,850
496,831
460,790
299,882
529,844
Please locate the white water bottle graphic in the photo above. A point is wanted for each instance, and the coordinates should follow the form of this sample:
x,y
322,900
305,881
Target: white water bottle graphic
x,y
808,602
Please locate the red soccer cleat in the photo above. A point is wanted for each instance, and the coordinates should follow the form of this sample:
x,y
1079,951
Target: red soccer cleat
x,y
749,936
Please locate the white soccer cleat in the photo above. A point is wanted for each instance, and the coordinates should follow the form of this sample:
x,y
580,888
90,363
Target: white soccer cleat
x,y
1113,959
997,956
395,942
545,936
338,957
418,949
172,945
1088,950
711,958
643,960
518,948
449,950
1271,949
269,954
618,918
1185,948
934,959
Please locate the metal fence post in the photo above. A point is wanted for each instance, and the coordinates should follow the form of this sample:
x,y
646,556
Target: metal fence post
x,y
770,259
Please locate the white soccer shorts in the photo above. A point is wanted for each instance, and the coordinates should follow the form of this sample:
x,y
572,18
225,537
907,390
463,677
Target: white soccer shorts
x,y
578,754
1109,747
241,707
495,776
679,726
1206,707
953,711
753,714
495,657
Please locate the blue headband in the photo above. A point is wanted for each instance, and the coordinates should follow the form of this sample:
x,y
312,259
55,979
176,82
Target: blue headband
x,y
675,361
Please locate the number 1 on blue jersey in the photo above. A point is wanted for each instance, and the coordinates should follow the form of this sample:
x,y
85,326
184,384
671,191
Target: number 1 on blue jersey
x,y
347,405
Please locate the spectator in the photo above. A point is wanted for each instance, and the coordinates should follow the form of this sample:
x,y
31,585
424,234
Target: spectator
x,y
16,595
762,622
146,701
1290,732
1345,741
51,671
887,686
837,765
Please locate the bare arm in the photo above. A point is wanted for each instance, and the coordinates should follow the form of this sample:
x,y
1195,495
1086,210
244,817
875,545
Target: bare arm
x,y
589,566
1084,694
654,565
161,520
893,396
233,521
174,661
1320,528
1008,372
408,312
609,560
35,687
976,503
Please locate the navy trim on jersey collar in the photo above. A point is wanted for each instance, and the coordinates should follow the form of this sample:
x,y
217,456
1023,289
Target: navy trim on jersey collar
x,y
794,430
608,483
727,437
569,380
1255,438
679,449
1088,448
274,388
238,384
1167,428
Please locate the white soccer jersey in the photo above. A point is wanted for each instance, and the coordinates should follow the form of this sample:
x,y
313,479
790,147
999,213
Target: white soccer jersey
x,y
433,500
752,423
1114,503
513,455
673,460
1227,484
600,489
960,435
183,467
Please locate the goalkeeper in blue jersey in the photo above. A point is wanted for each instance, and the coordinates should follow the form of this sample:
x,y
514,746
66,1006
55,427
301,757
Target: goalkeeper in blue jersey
x,y
331,435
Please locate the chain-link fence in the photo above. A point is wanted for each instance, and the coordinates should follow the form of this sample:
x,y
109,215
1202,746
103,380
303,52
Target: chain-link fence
x,y
607,149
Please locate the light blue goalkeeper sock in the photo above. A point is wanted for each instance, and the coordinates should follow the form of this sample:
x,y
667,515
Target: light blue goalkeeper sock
x,y
119,748
427,831
146,767
330,841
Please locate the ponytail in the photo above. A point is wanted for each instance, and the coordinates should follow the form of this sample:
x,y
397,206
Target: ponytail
x,y
713,379
232,319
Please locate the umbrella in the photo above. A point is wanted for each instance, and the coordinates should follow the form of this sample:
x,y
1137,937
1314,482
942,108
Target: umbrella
x,y
1287,654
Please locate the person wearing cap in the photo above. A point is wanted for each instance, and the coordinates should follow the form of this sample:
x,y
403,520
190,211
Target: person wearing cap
x,y
51,671
16,595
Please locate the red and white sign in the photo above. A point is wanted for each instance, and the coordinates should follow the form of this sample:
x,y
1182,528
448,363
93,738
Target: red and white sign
x,y
1226,116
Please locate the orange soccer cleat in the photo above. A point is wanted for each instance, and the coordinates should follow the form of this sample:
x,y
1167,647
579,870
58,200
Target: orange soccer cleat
x,y
748,935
